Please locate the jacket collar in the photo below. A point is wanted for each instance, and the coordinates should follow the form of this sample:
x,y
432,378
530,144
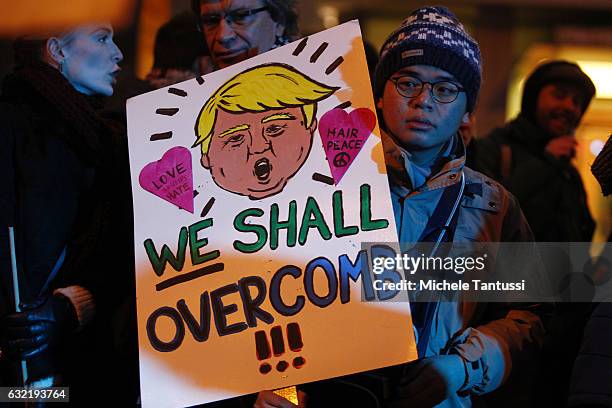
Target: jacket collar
x,y
401,171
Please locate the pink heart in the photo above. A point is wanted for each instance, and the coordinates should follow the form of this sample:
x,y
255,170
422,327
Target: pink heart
x,y
170,178
343,136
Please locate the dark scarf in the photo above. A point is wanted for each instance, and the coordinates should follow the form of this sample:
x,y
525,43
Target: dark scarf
x,y
55,109
39,84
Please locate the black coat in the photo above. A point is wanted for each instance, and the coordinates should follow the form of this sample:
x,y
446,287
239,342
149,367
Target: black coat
x,y
591,385
66,190
550,191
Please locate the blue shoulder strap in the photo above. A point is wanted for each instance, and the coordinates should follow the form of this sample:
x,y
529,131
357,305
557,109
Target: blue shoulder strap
x,y
440,228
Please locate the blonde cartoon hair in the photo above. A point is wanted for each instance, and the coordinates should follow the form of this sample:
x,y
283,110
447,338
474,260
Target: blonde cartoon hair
x,y
258,89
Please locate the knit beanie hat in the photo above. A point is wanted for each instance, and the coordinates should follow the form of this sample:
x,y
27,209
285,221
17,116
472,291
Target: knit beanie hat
x,y
432,36
554,71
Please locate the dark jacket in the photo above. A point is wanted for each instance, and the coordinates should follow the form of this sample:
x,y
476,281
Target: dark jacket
x,y
67,196
590,384
550,191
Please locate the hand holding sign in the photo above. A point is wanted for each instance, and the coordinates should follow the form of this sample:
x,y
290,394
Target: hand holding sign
x,y
343,135
171,178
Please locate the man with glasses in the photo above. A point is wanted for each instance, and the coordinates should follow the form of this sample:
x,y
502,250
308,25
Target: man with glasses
x,y
239,29
426,84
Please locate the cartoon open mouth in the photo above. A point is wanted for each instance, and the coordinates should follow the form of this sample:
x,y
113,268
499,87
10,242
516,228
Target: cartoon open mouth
x,y
262,169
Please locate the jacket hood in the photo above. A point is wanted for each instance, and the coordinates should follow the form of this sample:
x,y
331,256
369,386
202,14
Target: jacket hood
x,y
554,71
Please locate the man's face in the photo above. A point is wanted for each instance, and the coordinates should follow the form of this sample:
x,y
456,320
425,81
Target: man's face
x,y
254,154
559,109
420,123
244,36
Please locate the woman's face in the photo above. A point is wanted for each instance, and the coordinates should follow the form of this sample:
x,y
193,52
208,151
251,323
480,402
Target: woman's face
x,y
90,59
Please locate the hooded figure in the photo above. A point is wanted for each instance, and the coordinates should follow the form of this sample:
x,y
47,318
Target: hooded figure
x,y
531,155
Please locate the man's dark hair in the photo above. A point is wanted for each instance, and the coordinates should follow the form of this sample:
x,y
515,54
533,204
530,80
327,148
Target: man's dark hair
x,y
281,11
178,43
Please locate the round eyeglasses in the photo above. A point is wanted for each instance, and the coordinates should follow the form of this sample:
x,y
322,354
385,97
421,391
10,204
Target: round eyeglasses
x,y
441,91
235,18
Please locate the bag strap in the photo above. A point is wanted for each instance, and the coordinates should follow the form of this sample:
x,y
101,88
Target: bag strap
x,y
440,228
373,387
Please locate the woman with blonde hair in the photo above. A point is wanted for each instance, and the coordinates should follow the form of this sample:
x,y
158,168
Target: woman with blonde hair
x,y
66,196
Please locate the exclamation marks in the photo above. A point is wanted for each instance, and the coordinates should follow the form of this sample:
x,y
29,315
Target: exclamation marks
x,y
294,337
262,347
263,351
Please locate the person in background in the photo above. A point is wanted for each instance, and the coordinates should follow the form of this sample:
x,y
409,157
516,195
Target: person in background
x,y
531,155
235,30
589,384
180,53
66,191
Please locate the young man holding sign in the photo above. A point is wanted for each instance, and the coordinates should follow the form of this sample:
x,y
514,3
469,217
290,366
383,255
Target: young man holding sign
x,y
426,84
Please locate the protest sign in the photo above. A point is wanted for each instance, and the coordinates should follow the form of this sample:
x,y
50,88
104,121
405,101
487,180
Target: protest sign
x,y
253,189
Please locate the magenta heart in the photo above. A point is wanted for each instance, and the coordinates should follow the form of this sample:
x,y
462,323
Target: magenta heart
x,y
343,135
170,178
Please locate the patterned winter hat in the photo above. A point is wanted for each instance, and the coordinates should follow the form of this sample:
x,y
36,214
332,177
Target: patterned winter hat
x,y
432,36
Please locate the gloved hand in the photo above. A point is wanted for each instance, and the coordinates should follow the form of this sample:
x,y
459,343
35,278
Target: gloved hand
x,y
39,325
430,381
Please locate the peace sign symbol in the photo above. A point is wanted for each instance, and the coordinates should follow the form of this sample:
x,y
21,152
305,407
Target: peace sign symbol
x,y
341,159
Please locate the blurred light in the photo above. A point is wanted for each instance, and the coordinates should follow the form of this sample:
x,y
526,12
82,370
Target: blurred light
x,y
153,14
596,146
44,17
289,393
600,73
329,15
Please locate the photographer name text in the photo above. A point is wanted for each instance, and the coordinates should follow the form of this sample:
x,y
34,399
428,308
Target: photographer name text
x,y
446,285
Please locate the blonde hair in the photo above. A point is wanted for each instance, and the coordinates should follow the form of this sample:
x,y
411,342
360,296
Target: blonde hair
x,y
258,89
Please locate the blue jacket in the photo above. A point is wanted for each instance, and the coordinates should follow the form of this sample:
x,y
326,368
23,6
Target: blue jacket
x,y
492,214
